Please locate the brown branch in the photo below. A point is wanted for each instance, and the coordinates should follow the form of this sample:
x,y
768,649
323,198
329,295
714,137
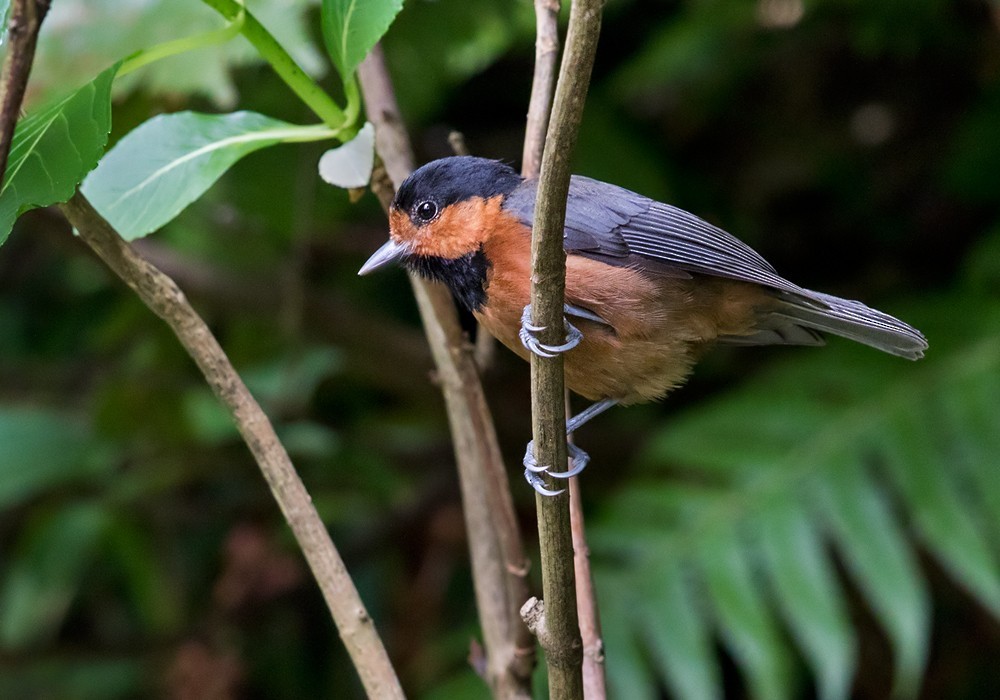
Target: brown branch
x,y
22,35
548,266
594,685
166,300
542,85
498,562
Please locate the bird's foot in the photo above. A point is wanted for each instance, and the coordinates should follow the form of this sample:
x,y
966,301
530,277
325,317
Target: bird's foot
x,y
533,471
533,344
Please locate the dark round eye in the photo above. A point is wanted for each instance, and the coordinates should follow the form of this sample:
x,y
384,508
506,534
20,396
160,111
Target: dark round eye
x,y
426,210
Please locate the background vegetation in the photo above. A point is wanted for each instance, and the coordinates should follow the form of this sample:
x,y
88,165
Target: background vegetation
x,y
792,523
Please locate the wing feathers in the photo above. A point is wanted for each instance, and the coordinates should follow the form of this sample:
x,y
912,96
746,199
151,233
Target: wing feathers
x,y
617,226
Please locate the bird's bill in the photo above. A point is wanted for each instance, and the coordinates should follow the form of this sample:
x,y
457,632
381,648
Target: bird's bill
x,y
391,252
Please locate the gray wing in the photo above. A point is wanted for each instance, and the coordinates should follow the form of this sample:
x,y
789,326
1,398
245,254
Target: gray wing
x,y
615,225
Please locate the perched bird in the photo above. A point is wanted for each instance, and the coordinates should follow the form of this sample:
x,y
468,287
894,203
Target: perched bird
x,y
649,287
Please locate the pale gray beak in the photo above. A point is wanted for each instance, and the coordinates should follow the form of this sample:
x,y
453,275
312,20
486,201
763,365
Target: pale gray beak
x,y
391,252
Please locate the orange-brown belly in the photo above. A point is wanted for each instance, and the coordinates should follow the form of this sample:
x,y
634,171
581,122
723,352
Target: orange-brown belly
x,y
657,326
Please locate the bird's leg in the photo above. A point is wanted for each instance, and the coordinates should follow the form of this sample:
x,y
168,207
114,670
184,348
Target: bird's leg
x,y
578,458
533,344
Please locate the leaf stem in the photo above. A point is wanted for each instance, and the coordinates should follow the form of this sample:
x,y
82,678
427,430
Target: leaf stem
x,y
283,64
174,47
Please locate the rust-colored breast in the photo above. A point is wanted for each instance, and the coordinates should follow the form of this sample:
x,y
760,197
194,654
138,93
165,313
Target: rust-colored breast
x,y
658,326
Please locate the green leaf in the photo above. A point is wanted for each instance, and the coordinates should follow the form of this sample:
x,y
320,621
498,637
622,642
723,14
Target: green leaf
x,y
628,676
679,636
844,447
76,44
166,163
54,148
940,512
352,27
350,165
46,570
44,450
809,596
877,555
742,614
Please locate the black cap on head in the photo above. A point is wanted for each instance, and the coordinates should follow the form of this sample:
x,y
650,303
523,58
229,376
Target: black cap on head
x,y
455,179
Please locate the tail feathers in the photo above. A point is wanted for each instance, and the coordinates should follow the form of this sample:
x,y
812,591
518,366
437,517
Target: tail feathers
x,y
852,320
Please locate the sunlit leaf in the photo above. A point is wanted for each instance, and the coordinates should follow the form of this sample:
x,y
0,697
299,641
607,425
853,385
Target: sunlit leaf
x,y
163,165
350,165
352,27
79,37
54,148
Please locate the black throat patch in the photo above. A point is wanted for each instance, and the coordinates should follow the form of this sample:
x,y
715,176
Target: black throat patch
x,y
465,276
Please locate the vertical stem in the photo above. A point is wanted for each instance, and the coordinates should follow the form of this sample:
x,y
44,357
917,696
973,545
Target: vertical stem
x,y
25,20
542,85
561,637
283,64
594,685
499,565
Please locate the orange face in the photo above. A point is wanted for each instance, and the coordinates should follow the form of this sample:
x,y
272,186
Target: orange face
x,y
453,231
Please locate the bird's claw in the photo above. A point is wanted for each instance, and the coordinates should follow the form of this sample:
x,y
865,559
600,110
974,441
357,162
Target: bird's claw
x,y
534,345
533,471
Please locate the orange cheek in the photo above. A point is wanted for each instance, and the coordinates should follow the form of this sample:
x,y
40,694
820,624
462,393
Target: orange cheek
x,y
461,228
401,229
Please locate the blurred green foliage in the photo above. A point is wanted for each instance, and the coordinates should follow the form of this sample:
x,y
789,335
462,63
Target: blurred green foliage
x,y
793,523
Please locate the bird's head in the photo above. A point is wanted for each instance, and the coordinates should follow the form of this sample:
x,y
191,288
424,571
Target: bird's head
x,y
444,212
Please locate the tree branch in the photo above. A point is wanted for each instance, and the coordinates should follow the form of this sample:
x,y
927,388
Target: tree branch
x,y
539,106
594,685
498,563
542,85
166,300
25,20
548,265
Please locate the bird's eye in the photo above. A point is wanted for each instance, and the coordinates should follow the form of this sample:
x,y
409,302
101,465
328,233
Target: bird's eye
x,y
426,210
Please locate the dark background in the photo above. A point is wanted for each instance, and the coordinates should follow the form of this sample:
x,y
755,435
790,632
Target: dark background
x,y
856,145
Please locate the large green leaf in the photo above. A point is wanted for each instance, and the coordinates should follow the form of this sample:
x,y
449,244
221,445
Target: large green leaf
x,y
839,449
352,27
54,148
79,37
166,163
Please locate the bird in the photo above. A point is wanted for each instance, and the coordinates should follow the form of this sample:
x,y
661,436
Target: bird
x,y
649,287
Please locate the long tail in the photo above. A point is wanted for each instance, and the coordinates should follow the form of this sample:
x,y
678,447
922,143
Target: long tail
x,y
853,320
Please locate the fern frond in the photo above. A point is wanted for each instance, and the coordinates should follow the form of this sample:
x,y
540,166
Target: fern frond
x,y
837,451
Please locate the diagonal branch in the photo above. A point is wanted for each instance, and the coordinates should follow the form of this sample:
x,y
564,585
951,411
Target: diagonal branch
x,y
167,301
561,635
498,563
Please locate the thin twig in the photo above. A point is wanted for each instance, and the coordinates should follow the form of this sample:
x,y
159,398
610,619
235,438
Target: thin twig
x,y
548,266
486,345
22,31
498,562
166,300
542,85
594,685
